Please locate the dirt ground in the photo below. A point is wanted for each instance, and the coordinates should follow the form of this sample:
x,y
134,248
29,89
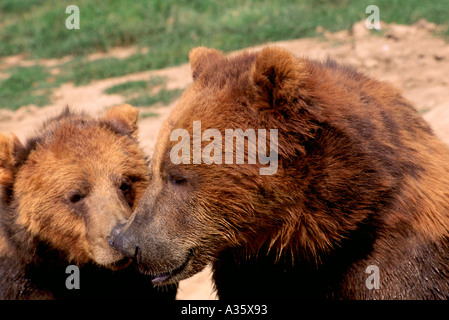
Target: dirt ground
x,y
410,57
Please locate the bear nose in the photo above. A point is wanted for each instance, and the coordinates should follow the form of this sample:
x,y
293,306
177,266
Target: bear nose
x,y
123,240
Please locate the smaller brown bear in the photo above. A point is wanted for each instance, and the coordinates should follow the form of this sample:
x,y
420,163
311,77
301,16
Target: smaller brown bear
x,y
61,193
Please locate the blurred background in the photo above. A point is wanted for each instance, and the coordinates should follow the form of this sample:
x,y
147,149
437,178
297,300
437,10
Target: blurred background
x,y
136,52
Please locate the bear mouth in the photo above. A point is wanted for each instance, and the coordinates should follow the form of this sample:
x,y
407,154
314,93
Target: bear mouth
x,y
120,264
168,276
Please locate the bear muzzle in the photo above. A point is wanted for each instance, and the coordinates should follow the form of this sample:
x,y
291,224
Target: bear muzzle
x,y
123,240
152,257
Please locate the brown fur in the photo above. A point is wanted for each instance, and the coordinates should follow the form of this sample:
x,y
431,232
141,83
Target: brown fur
x,y
362,180
61,194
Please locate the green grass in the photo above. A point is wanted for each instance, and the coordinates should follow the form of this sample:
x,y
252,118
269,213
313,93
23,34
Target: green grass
x,y
173,26
144,115
145,93
170,28
163,96
26,85
128,88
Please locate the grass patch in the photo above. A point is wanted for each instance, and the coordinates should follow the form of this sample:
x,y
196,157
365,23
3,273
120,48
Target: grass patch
x,y
146,93
26,85
173,26
147,114
127,87
163,96
169,28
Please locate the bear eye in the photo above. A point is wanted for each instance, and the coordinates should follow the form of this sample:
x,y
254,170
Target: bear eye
x,y
75,196
125,185
177,179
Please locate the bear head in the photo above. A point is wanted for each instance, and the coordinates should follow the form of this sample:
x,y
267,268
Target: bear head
x,y
203,199
70,184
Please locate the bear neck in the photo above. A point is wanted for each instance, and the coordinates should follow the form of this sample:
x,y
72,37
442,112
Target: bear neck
x,y
326,191
337,207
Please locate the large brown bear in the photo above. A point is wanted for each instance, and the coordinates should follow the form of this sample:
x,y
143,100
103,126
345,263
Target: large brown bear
x,y
61,194
354,205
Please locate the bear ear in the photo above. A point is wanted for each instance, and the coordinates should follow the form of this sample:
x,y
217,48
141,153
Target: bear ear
x,y
200,57
277,75
124,119
9,147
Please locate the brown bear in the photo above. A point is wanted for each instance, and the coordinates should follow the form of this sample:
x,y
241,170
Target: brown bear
x,y
61,194
356,206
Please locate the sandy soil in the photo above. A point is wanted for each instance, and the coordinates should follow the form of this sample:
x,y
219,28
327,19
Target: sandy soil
x,y
409,57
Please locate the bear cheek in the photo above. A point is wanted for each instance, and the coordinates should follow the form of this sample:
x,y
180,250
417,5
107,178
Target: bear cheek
x,y
68,233
53,222
56,225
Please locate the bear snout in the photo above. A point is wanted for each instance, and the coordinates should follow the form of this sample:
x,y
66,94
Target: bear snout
x,y
123,240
